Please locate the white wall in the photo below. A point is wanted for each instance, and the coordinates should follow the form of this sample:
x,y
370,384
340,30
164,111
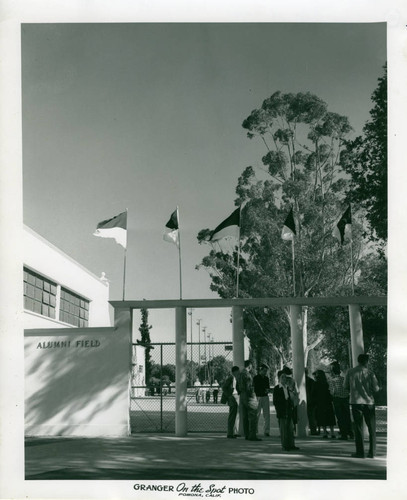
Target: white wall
x,y
77,382
44,258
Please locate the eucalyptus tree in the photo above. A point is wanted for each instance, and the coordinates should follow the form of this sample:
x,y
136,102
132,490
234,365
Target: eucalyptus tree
x,y
302,142
365,160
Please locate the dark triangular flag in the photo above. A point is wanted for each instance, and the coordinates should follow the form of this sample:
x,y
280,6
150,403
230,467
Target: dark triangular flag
x,y
229,227
173,222
171,233
288,232
339,230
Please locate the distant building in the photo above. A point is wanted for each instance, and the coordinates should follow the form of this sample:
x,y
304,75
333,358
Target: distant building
x,y
58,291
138,371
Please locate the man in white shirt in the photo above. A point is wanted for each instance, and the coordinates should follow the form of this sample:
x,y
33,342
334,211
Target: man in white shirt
x,y
197,386
230,396
362,384
248,402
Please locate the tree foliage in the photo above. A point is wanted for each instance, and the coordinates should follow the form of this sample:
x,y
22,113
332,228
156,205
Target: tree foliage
x,y
303,143
145,340
365,160
334,322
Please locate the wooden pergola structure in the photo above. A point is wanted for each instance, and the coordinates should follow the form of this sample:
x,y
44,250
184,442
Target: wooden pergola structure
x,y
123,316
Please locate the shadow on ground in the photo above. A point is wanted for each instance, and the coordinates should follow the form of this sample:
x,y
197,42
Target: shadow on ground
x,y
198,456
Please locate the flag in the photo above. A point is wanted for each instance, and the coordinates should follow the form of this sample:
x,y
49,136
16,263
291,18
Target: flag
x,y
288,232
340,228
115,228
171,233
229,227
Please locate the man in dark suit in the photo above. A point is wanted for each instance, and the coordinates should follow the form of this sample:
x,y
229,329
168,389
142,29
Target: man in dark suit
x,y
261,384
283,402
309,388
230,396
249,402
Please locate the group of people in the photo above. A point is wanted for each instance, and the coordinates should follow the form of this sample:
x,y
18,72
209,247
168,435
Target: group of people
x,y
252,394
203,392
329,401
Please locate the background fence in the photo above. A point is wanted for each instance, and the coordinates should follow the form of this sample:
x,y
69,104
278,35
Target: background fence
x,y
152,407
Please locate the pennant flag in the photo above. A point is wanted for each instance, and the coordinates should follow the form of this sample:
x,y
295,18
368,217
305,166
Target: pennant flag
x,y
229,227
115,228
171,233
288,232
340,228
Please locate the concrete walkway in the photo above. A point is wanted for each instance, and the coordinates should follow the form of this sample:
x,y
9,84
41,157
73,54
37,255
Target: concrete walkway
x,y
198,456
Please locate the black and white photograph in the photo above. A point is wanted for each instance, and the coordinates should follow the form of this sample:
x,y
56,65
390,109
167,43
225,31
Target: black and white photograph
x,y
201,279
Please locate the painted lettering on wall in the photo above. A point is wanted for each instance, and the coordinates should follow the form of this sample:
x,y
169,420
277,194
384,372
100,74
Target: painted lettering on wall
x,y
61,344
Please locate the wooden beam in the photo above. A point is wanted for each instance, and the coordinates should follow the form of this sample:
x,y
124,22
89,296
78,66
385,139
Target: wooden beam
x,y
261,302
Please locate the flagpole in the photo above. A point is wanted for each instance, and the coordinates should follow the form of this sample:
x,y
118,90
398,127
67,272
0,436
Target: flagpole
x,y
351,259
293,257
125,259
179,254
238,257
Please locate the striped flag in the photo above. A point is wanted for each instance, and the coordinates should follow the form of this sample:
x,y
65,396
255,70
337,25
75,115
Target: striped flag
x,y
171,233
340,229
288,232
115,228
229,227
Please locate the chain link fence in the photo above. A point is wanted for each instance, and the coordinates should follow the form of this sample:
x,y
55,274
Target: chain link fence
x,y
152,407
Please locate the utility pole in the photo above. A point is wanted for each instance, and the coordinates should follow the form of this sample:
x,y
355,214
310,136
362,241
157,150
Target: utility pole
x,y
206,360
199,344
191,360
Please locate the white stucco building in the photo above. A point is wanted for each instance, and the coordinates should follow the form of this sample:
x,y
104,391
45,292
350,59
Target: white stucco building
x,y
58,291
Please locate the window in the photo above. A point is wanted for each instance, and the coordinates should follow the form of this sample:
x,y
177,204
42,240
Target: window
x,y
39,294
73,309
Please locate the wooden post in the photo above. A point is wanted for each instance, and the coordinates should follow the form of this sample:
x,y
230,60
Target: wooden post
x,y
238,350
238,336
297,345
181,371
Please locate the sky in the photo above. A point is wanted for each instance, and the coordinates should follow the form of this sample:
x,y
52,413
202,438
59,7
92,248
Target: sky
x,y
148,116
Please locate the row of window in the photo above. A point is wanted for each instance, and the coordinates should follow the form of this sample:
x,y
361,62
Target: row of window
x,y
40,296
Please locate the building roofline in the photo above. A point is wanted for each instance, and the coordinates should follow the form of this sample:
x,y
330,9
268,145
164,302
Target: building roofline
x,y
62,253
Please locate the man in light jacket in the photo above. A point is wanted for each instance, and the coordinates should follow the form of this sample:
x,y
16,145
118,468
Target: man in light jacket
x,y
362,384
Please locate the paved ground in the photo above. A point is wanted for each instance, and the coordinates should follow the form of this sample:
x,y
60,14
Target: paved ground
x,y
198,456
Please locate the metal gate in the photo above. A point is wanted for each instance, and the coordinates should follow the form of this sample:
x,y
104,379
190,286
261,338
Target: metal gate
x,y
152,407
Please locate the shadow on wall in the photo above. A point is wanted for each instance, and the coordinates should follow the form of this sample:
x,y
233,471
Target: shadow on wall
x,y
72,381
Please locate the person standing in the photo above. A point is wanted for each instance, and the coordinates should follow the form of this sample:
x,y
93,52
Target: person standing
x,y
362,384
230,396
249,402
208,392
309,385
340,397
323,402
261,385
294,394
197,386
284,409
215,391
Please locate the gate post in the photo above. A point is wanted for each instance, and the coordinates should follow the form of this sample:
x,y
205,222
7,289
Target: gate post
x,y
238,350
180,371
123,321
356,332
238,336
297,345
